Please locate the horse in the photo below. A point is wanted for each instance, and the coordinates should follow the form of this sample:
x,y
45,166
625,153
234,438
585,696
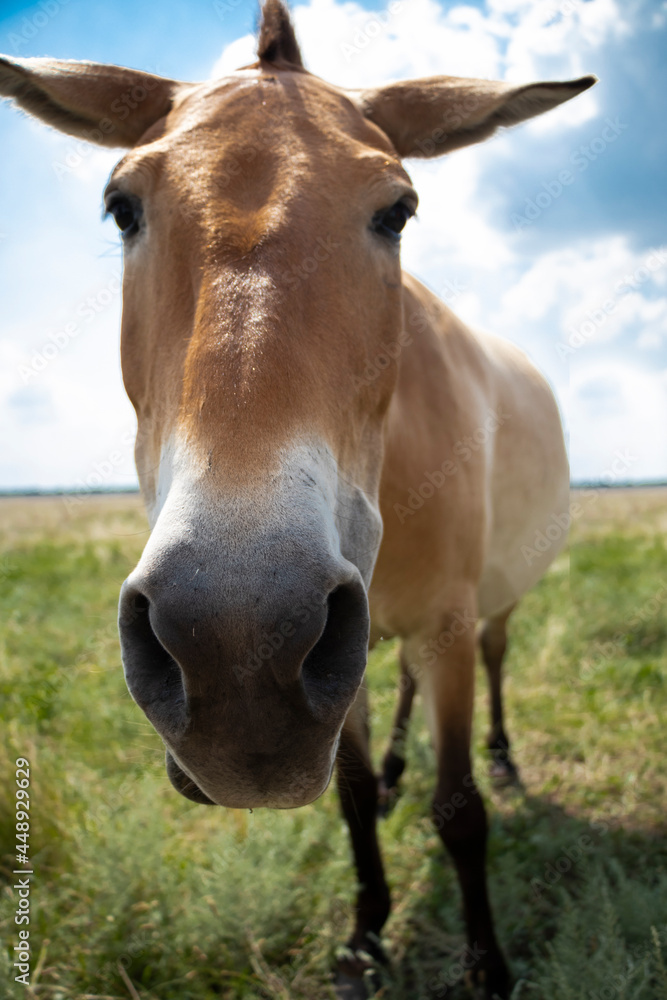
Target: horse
x,y
326,453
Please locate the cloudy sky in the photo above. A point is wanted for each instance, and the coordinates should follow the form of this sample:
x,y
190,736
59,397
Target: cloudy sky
x,y
552,234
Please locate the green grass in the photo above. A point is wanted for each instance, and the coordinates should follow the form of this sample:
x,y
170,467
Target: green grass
x,y
208,903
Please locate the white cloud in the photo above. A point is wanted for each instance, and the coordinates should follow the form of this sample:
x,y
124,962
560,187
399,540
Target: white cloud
x,y
617,408
602,291
659,18
61,392
77,413
517,40
242,52
365,48
597,311
67,407
450,228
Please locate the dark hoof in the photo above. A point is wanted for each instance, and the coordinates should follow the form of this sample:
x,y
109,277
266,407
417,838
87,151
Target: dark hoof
x,y
492,983
392,769
356,979
357,974
386,798
503,770
351,988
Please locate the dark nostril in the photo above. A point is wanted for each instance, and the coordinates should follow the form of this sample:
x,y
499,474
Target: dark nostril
x,y
152,675
333,669
133,606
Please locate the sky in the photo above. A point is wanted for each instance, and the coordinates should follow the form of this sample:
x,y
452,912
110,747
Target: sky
x,y
551,234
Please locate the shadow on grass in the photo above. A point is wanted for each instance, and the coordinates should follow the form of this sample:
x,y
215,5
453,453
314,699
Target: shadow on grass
x,y
580,909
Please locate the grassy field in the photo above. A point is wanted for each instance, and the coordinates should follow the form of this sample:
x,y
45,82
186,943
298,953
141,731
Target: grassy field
x,y
139,893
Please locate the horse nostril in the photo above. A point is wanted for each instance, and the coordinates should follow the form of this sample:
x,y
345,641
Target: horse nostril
x,y
133,605
152,674
334,667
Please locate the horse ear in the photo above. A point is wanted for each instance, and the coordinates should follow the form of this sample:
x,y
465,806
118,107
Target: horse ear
x,y
277,40
433,116
107,105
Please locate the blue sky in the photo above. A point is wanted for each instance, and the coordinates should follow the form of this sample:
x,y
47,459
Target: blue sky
x,y
574,271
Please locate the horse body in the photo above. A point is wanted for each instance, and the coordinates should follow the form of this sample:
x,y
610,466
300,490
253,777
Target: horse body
x,y
475,426
317,435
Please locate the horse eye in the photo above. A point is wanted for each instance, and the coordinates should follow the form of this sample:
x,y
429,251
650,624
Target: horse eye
x,y
391,221
126,211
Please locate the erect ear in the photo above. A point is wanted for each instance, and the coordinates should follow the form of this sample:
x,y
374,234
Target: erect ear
x,y
277,41
107,105
433,116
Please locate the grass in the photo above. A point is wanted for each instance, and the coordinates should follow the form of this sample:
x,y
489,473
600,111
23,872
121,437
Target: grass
x,y
140,893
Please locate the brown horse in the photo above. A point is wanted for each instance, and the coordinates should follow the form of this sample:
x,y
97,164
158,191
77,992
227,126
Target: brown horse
x,y
321,442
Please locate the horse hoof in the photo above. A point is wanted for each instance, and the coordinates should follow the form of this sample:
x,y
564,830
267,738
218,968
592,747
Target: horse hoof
x,y
350,988
354,984
357,974
387,797
503,772
491,984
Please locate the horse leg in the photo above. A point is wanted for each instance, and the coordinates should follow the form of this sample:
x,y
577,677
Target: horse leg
x,y
458,811
493,642
393,764
357,787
